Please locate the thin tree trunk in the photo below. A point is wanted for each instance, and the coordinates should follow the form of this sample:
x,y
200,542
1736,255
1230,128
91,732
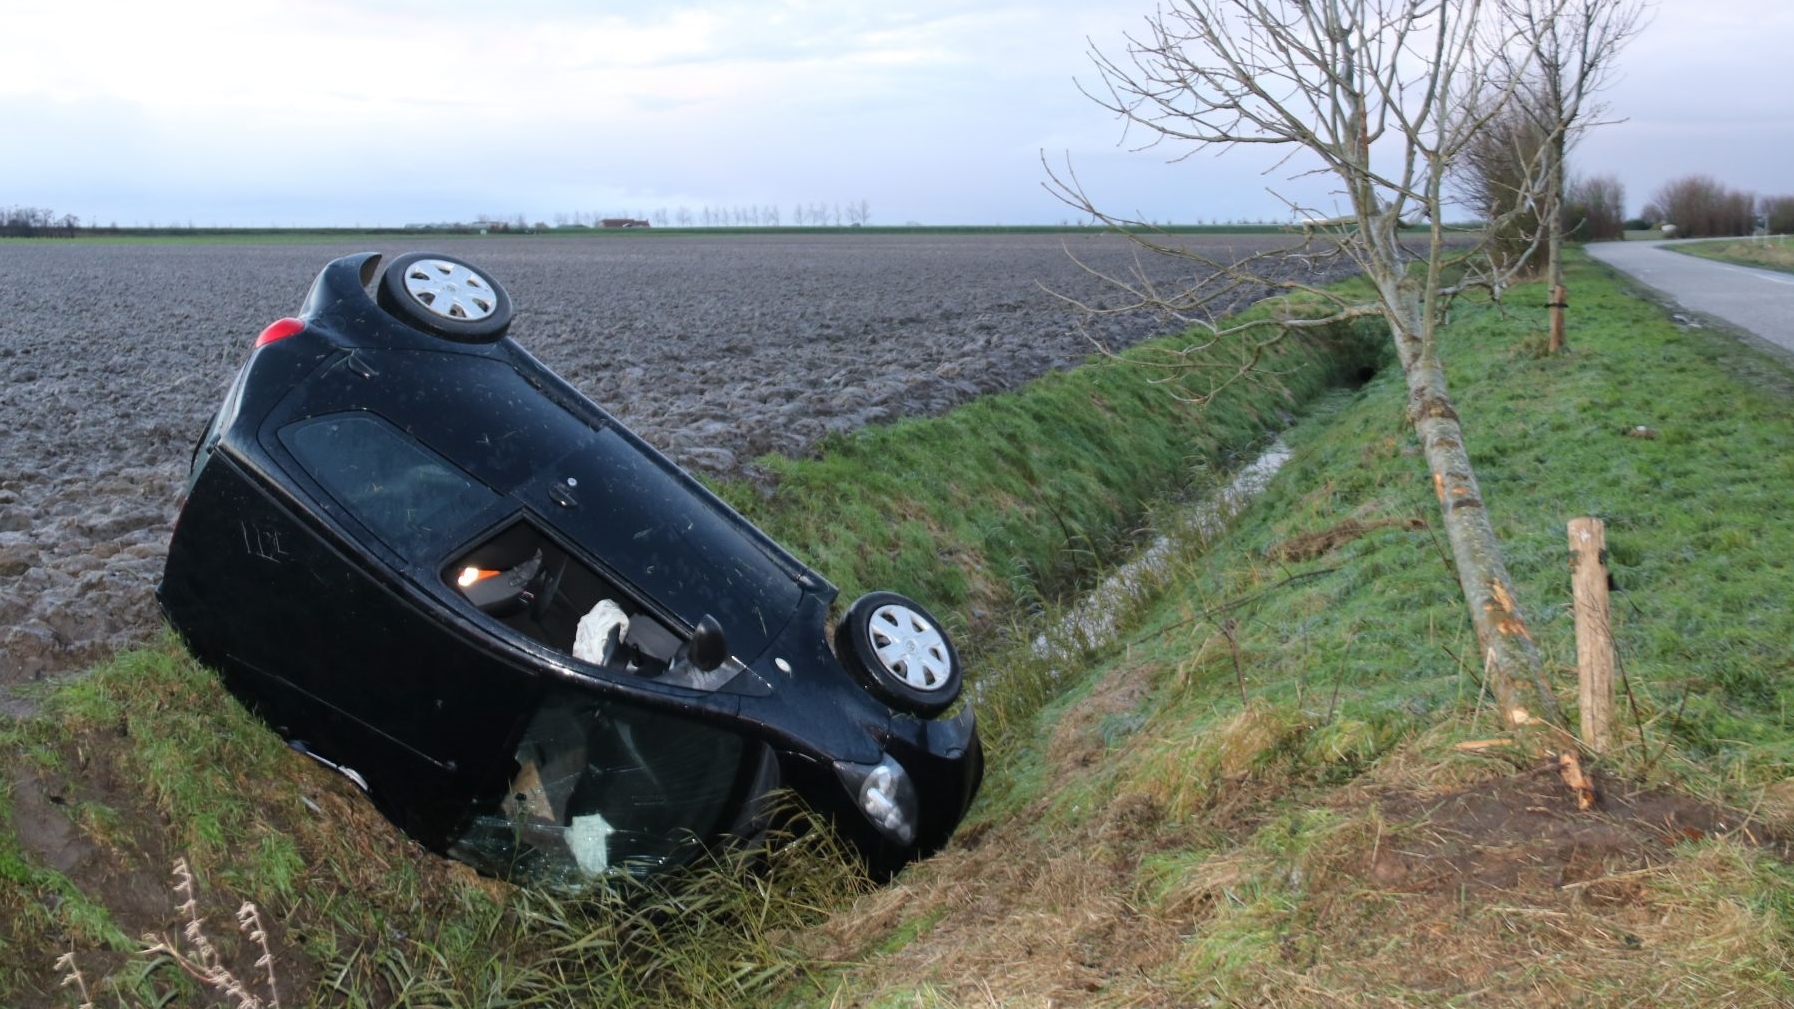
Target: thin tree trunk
x,y
1512,668
1554,240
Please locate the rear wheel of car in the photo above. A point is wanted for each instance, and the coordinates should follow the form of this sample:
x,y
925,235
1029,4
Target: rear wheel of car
x,y
901,652
446,297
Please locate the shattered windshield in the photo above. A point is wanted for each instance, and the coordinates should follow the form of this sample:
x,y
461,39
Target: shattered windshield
x,y
604,786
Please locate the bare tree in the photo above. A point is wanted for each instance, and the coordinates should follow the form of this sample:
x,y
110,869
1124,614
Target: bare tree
x,y
1364,92
1778,214
1500,176
1564,51
26,222
1701,206
1595,209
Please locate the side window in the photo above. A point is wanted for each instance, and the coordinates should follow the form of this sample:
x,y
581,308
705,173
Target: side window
x,y
408,495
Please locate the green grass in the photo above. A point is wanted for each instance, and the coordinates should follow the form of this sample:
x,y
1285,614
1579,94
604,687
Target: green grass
x,y
1018,496
1771,254
1146,835
1657,431
1236,840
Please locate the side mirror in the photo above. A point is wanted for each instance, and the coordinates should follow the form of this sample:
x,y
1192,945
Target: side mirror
x,y
707,648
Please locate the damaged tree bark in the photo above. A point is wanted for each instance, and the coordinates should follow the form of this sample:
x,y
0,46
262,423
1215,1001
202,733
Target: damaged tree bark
x,y
1511,665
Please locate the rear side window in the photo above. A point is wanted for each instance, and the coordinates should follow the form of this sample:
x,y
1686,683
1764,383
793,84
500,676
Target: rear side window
x,y
409,496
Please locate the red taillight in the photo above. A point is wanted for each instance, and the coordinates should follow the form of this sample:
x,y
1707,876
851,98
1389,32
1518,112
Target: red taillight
x,y
279,329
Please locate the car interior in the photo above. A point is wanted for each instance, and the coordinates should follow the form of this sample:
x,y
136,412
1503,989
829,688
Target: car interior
x,y
530,583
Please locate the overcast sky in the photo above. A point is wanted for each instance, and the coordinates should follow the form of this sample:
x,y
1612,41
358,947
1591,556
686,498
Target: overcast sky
x,y
386,112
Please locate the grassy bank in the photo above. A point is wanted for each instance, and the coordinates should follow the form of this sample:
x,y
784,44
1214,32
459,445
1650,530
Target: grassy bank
x,y
1015,498
1261,796
147,762
1773,253
1280,789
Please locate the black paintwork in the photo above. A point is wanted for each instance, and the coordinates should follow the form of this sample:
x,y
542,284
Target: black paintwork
x,y
359,646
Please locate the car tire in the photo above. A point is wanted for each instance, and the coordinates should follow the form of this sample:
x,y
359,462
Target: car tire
x,y
901,652
445,296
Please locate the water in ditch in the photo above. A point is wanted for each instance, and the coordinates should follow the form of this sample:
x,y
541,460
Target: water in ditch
x,y
1095,622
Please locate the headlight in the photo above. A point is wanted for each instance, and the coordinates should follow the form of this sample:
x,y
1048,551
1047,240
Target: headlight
x,y
884,795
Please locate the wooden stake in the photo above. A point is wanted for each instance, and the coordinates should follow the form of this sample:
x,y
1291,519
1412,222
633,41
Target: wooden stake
x,y
1594,636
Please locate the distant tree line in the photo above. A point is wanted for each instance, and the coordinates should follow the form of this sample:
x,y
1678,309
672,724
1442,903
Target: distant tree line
x,y
753,215
36,222
1496,181
1778,214
1499,176
1701,206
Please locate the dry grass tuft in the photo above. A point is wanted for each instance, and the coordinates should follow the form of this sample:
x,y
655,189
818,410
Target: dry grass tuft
x,y
201,958
1089,728
1187,773
1050,921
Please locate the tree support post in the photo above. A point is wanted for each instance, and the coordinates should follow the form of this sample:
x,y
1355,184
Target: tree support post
x,y
1594,635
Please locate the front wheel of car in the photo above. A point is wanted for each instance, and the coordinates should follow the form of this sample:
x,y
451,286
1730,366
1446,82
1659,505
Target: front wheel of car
x,y
901,652
446,297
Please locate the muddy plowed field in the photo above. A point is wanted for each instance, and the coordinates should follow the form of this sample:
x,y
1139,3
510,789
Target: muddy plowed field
x,y
716,349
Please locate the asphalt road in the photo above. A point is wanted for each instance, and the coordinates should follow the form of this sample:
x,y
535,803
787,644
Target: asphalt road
x,y
1760,302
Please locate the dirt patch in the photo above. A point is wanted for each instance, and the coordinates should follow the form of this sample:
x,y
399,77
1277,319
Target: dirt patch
x,y
715,349
85,825
1439,897
1093,726
103,832
97,831
1521,831
1309,546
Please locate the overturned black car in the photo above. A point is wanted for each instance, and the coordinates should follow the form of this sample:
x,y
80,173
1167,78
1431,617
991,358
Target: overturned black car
x,y
541,647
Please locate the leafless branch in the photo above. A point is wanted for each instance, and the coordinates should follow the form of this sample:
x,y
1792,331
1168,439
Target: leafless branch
x,y
1384,97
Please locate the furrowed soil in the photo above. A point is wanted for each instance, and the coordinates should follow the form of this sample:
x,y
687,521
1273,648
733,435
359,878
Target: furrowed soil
x,y
717,349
